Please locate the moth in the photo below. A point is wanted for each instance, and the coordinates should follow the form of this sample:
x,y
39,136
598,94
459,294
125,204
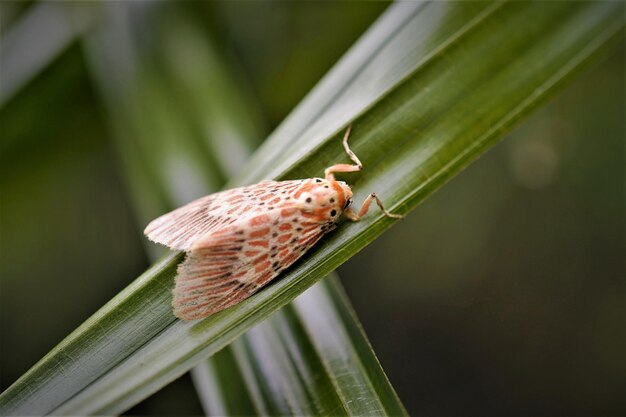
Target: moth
x,y
240,239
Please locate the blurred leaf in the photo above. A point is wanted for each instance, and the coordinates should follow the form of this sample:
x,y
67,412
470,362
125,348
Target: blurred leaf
x,y
425,95
38,37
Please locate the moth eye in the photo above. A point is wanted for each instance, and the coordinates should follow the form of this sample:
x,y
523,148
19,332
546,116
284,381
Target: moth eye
x,y
308,199
348,202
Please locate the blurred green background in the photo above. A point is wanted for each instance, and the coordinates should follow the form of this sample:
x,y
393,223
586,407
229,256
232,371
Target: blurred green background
x,y
504,293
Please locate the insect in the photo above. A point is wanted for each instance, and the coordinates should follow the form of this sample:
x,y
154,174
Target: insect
x,y
240,239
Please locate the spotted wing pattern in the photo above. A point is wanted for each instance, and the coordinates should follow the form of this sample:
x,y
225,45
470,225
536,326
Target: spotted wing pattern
x,y
229,265
181,228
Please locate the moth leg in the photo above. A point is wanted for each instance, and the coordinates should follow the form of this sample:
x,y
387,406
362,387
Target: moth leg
x,y
328,173
355,217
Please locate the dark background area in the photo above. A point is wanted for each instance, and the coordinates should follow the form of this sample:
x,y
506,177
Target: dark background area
x,y
503,293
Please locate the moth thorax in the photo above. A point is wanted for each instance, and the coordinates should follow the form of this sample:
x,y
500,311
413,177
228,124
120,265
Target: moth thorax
x,y
330,196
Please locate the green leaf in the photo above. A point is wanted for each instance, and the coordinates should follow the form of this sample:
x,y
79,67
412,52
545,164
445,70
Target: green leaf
x,y
428,89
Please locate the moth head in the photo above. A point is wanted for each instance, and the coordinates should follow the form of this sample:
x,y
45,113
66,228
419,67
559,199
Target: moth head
x,y
330,196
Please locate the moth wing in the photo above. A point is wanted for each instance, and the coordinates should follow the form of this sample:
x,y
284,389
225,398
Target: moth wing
x,y
179,229
227,266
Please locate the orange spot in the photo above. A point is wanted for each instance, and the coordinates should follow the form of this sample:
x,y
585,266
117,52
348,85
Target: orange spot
x,y
260,232
225,230
318,215
259,220
259,259
291,258
284,238
306,187
262,266
285,226
340,194
251,253
275,201
263,243
266,197
266,277
235,199
287,212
